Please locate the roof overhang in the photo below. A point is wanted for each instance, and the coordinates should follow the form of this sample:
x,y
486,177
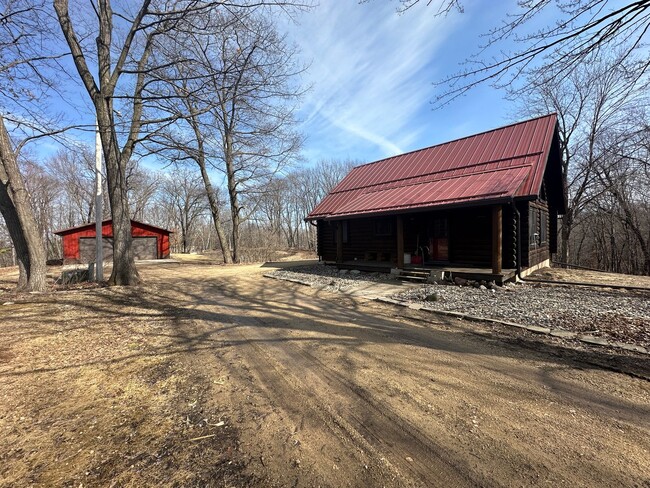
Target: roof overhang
x,y
501,165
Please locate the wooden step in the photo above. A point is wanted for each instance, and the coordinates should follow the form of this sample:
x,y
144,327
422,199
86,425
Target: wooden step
x,y
423,272
412,278
413,275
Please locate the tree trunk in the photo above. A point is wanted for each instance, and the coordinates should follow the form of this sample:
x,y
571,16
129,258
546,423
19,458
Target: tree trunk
x,y
567,227
20,219
12,221
124,271
216,213
233,195
209,190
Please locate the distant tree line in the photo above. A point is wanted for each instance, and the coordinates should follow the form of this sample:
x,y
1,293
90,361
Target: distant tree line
x,y
62,189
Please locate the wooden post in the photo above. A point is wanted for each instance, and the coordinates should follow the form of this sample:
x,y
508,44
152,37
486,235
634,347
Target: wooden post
x,y
400,242
339,241
497,238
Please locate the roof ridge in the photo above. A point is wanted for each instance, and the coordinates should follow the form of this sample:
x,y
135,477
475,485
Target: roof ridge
x,y
456,140
472,165
406,184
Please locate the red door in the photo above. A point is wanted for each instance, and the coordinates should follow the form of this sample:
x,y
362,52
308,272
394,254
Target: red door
x,y
439,242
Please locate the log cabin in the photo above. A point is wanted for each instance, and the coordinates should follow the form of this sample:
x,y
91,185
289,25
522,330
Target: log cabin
x,y
484,205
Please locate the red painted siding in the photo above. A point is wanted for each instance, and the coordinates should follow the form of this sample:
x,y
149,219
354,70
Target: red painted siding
x,y
138,229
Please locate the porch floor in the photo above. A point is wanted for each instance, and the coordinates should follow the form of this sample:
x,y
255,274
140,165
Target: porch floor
x,y
456,270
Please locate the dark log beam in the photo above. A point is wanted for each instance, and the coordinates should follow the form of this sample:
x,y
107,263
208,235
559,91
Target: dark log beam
x,y
497,238
339,241
400,242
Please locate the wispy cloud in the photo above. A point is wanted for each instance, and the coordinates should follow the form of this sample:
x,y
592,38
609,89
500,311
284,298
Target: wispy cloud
x,y
371,72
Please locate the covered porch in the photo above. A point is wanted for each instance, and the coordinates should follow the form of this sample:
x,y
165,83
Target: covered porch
x,y
449,270
467,242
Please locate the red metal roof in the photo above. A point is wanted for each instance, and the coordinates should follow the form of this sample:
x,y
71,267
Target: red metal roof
x,y
91,225
503,163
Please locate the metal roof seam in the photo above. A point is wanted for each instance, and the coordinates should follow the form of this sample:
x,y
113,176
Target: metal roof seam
x,y
457,140
469,166
507,161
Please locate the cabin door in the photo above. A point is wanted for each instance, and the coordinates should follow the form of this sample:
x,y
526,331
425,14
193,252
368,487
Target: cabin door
x,y
439,239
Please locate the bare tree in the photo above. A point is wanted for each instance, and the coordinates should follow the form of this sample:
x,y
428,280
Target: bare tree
x,y
142,185
624,173
74,170
593,99
288,198
184,197
24,48
583,28
239,86
130,57
18,214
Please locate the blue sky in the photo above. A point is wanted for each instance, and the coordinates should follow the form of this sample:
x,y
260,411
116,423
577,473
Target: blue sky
x,y
372,72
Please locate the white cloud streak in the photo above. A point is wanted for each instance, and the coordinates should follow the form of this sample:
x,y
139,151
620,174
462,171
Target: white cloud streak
x,y
371,72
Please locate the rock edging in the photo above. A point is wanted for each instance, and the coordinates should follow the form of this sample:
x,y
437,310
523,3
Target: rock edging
x,y
285,278
565,334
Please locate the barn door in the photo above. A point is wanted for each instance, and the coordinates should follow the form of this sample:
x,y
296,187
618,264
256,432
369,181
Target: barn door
x,y
87,249
145,247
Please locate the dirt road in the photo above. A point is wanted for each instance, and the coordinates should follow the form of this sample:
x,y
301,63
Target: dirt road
x,y
281,385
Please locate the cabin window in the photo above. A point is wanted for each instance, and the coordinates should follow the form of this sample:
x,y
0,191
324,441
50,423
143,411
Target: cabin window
x,y
543,228
383,227
533,228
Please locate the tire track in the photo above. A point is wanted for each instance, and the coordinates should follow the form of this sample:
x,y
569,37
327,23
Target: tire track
x,y
393,441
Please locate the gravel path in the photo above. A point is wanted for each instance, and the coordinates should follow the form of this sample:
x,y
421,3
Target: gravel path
x,y
331,278
613,314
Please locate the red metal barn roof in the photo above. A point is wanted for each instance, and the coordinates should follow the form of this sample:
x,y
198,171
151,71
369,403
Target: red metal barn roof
x,y
109,222
497,165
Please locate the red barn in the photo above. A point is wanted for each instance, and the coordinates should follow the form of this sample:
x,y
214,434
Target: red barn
x,y
149,242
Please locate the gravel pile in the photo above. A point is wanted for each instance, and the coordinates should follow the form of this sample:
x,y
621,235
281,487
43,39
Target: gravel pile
x,y
331,278
613,314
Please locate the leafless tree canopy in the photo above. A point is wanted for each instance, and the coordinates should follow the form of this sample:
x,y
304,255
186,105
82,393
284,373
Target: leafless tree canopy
x,y
583,28
603,122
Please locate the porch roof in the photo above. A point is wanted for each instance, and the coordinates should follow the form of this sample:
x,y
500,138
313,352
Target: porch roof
x,y
503,163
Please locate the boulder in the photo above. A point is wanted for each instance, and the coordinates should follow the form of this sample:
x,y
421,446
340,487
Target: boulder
x,y
460,281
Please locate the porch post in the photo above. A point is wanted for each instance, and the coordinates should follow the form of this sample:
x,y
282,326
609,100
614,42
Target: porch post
x,y
339,241
497,238
400,242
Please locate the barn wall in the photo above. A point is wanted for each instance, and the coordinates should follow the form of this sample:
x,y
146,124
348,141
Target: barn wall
x,y
71,240
71,252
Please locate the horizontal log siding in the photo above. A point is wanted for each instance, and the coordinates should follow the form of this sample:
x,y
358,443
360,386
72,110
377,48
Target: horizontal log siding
x,y
362,239
509,249
470,236
327,240
539,253
552,231
531,254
